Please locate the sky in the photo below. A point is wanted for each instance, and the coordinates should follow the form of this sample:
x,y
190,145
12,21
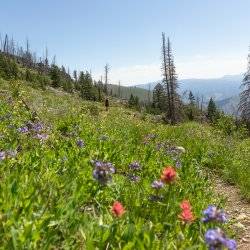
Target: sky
x,y
210,38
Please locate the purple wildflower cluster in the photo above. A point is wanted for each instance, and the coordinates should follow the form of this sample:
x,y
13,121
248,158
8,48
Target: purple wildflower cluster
x,y
135,166
158,184
216,239
36,128
103,171
80,143
31,127
41,137
212,213
133,177
174,151
23,130
2,155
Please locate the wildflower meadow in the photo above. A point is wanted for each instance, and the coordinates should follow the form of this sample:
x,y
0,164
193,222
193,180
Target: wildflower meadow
x,y
73,179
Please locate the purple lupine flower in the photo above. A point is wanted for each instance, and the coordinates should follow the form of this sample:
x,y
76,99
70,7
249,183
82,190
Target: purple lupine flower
x,y
212,213
230,244
134,166
37,127
215,239
2,155
134,178
80,143
157,184
103,171
23,129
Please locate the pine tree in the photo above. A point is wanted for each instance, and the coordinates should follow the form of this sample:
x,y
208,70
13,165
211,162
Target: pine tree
x,y
75,75
131,101
55,76
159,97
191,98
244,106
211,110
86,85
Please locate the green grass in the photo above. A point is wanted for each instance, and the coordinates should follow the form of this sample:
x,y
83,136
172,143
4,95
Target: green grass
x,y
50,200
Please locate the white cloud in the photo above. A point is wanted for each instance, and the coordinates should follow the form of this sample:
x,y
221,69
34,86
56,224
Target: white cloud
x,y
198,66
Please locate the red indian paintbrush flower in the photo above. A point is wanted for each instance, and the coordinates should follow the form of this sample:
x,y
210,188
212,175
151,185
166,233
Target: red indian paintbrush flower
x,y
185,205
168,174
117,209
186,214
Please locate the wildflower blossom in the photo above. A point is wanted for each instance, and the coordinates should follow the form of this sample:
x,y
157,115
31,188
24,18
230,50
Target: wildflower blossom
x,y
157,184
215,239
37,127
134,166
80,143
133,178
230,244
186,214
178,163
23,129
185,204
168,175
31,127
117,209
212,213
2,155
103,171
42,137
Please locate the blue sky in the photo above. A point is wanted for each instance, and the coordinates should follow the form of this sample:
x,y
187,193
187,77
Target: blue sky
x,y
210,38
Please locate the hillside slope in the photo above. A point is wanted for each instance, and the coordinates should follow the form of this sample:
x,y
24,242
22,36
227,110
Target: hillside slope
x,y
54,170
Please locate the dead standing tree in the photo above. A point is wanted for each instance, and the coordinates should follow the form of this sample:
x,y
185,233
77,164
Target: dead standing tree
x,y
170,81
106,71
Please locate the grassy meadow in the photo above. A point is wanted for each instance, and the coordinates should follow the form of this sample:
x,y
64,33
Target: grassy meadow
x,y
50,194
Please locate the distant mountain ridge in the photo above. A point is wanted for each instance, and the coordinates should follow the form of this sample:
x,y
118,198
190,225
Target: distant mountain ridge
x,y
224,90
218,88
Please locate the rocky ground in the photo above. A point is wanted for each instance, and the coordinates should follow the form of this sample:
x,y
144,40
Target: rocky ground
x,y
238,210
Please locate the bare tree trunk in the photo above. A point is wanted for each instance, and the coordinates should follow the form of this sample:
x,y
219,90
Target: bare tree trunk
x,y
106,69
166,75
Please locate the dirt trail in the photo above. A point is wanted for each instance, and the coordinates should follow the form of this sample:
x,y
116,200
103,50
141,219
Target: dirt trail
x,y
238,211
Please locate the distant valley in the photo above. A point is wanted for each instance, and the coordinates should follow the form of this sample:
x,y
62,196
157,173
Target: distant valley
x,y
224,90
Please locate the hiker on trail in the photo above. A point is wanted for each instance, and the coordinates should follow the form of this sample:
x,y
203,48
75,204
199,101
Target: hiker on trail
x,y
107,104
